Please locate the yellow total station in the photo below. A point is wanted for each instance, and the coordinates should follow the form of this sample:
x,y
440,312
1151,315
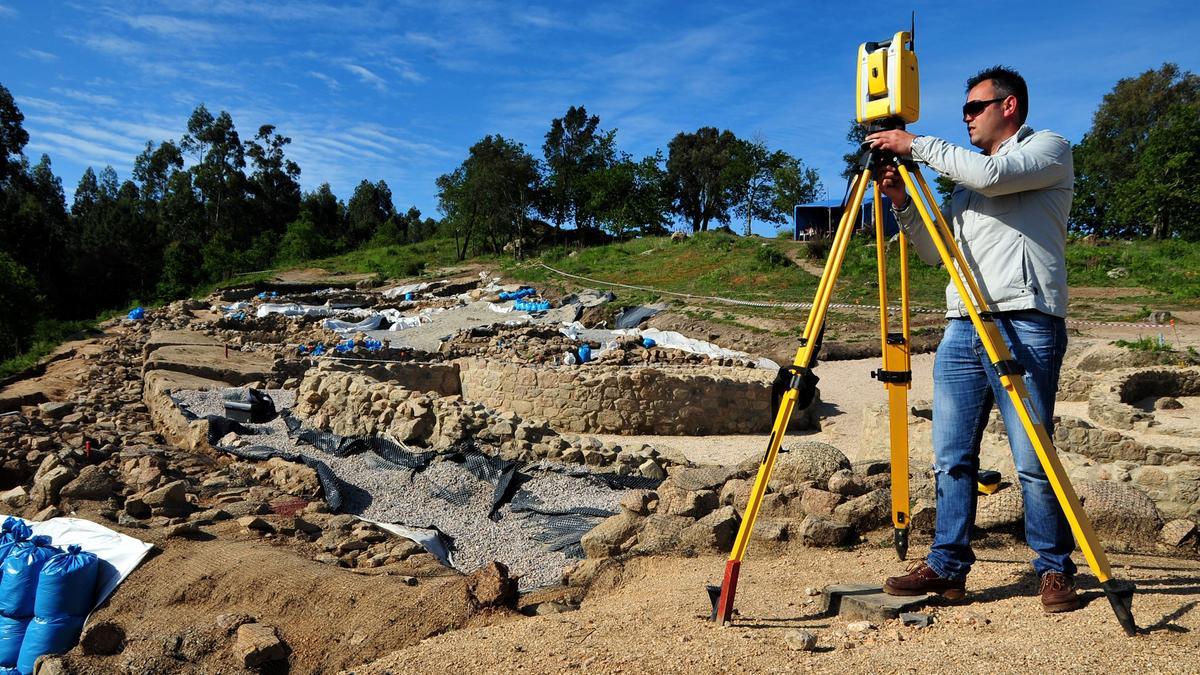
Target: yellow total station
x,y
888,82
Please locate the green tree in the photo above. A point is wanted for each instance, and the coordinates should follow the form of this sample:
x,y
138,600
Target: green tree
x,y
699,176
274,189
181,226
13,137
486,200
221,183
629,198
368,209
152,170
19,306
1110,154
769,183
575,148
1163,196
794,184
855,136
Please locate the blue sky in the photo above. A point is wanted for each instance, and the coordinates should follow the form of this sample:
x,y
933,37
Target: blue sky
x,y
399,90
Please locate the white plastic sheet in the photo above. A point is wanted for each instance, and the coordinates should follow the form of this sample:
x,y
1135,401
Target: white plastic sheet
x,y
346,327
293,309
122,553
400,291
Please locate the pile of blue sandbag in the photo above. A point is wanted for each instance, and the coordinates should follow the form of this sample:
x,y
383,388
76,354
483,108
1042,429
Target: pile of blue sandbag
x,y
45,594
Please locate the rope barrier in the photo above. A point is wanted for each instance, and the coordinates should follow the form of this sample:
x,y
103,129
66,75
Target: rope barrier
x,y
808,305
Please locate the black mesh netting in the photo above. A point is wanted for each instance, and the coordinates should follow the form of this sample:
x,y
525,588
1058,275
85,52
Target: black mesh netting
x,y
563,533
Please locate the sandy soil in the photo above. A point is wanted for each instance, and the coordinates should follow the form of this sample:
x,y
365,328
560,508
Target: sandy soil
x,y
654,620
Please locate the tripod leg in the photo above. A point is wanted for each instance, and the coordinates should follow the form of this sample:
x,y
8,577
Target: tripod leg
x,y
724,596
1119,594
896,377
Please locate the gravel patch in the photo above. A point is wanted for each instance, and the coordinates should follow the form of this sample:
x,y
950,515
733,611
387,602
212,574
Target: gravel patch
x,y
447,496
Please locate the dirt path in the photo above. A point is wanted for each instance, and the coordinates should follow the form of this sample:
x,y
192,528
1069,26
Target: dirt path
x,y
654,620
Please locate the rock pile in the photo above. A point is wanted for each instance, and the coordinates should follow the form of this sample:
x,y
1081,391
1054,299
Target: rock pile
x,y
814,497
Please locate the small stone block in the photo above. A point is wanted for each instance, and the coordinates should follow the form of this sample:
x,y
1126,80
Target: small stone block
x,y
868,603
916,619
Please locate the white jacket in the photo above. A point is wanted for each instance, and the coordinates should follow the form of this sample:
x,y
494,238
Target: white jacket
x,y
1009,214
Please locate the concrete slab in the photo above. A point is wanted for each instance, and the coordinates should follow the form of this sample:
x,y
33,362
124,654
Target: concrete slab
x,y
868,603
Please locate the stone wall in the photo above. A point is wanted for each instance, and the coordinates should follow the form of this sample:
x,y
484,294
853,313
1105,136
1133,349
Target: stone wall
x,y
628,400
1110,399
438,378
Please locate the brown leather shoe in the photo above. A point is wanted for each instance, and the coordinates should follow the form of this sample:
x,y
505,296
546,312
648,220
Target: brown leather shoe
x,y
1058,593
921,579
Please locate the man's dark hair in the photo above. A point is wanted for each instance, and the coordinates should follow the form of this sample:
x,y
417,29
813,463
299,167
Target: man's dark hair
x,y
1007,82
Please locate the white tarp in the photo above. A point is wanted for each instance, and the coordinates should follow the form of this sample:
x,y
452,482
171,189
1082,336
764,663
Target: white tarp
x,y
345,327
662,338
122,553
293,309
401,291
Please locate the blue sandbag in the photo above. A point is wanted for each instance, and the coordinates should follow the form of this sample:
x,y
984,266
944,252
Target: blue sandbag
x,y
12,532
18,585
67,584
12,633
48,636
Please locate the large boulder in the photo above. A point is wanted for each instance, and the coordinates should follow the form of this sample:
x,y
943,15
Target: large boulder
x,y
490,586
867,512
660,533
93,482
808,461
257,644
822,532
714,532
607,538
674,500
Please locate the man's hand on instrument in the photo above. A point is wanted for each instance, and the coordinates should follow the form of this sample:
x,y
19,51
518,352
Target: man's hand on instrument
x,y
896,141
892,185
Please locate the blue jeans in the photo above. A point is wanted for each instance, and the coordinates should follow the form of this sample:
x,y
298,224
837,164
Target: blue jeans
x,y
965,385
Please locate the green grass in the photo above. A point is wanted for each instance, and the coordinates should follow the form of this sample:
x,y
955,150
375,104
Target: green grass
x,y
48,334
1145,344
717,264
388,262
1171,268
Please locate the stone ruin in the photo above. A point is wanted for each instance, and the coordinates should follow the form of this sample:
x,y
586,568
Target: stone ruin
x,y
506,389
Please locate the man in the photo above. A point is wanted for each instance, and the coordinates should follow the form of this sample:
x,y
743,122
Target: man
x,y
1008,213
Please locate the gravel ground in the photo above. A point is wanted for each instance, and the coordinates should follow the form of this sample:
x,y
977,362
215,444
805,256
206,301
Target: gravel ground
x,y
445,495
428,336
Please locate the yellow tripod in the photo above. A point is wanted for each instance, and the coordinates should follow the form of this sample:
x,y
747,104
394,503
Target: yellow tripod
x,y
800,383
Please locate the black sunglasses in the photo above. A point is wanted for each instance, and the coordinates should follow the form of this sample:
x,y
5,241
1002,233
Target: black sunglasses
x,y
973,108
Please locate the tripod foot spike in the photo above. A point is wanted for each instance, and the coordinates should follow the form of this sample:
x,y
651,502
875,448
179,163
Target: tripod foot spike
x,y
1120,596
722,596
900,541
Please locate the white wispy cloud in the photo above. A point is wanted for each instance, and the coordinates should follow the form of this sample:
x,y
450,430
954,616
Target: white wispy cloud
x,y
329,81
5,10
366,76
79,149
424,40
172,26
85,97
109,44
37,54
404,69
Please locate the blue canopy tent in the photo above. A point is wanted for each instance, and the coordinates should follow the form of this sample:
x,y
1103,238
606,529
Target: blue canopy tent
x,y
820,219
